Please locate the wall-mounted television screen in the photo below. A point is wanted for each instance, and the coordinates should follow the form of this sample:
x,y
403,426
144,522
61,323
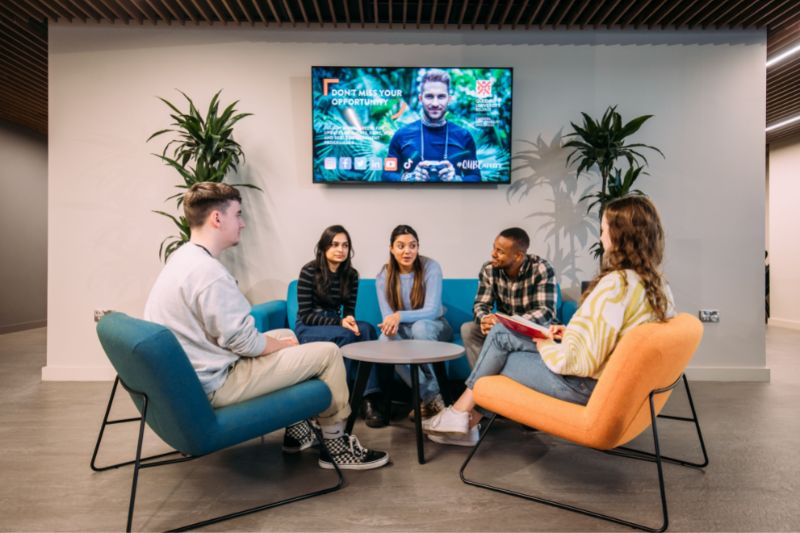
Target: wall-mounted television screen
x,y
411,125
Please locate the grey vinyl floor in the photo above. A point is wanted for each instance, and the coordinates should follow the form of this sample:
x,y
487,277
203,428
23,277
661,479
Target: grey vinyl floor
x,y
752,430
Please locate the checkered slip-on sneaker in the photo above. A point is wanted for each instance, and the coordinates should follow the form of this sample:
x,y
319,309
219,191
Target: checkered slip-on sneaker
x,y
298,437
348,454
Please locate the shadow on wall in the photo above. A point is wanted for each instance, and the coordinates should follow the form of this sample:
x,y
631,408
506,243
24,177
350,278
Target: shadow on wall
x,y
247,265
541,168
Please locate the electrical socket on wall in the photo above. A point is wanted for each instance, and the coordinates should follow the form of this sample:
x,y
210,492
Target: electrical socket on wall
x,y
708,315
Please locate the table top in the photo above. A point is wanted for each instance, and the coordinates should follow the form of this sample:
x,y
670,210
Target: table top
x,y
402,351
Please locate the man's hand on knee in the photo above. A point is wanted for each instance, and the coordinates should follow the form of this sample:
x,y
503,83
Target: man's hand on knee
x,y
273,345
486,324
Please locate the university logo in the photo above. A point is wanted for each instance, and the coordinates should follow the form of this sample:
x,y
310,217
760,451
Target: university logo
x,y
483,88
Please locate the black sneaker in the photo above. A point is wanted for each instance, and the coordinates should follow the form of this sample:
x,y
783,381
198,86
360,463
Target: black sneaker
x,y
298,437
350,455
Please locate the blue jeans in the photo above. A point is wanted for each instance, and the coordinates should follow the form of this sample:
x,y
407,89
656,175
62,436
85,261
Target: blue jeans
x,y
341,337
516,357
424,330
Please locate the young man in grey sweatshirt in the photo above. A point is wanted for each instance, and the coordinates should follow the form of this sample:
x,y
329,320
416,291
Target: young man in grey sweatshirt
x,y
200,302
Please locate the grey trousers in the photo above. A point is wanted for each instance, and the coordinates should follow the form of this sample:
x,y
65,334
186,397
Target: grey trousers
x,y
473,341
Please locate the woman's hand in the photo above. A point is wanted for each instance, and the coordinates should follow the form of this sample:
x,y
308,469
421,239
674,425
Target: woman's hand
x,y
557,332
349,322
541,342
390,324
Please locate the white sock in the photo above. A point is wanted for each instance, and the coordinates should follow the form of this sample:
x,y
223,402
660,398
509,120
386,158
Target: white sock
x,y
334,431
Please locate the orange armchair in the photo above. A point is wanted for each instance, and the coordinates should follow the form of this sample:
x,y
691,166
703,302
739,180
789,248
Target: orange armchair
x,y
639,377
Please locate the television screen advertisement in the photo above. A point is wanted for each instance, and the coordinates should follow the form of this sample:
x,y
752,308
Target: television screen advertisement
x,y
411,125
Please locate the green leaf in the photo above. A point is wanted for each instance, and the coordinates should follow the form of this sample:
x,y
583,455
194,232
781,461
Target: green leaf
x,y
156,134
600,144
633,126
248,185
202,148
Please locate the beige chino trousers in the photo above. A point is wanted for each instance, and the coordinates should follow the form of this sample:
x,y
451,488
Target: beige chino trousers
x,y
254,376
473,341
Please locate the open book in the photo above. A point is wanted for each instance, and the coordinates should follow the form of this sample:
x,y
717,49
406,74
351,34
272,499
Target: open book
x,y
523,326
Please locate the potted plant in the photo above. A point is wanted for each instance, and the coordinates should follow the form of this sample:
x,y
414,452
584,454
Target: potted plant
x,y
203,149
601,144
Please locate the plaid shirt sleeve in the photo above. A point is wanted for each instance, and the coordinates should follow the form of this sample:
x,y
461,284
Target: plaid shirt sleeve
x,y
543,293
484,298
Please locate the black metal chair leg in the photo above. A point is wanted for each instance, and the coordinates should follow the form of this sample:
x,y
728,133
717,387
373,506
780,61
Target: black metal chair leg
x,y
659,466
106,421
656,458
696,424
103,426
472,452
417,413
339,484
137,464
632,453
140,463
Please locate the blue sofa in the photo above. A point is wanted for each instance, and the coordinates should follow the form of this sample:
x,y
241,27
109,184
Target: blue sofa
x,y
458,296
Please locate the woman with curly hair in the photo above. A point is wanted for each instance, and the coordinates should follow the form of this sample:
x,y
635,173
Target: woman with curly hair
x,y
629,290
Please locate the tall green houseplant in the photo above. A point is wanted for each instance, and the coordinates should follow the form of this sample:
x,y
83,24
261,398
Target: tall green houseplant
x,y
601,144
202,149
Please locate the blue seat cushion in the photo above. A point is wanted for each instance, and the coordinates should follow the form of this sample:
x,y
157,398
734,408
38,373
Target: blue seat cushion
x,y
264,414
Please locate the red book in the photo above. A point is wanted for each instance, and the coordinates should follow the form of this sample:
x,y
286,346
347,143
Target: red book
x,y
524,327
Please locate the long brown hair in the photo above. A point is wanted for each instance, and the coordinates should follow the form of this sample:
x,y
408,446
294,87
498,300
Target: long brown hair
x,y
635,230
392,268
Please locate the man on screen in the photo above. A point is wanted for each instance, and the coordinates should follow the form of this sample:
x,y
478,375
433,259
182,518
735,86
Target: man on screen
x,y
432,149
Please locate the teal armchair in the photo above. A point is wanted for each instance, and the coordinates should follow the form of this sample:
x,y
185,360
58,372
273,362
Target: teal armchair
x,y
152,366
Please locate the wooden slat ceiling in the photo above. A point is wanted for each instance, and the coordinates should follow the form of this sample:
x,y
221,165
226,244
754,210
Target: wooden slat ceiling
x,y
23,30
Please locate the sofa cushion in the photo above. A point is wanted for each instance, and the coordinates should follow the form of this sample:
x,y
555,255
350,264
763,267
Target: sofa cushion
x,y
458,295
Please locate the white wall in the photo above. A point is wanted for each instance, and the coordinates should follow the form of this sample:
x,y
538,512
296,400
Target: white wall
x,y
784,219
23,229
707,92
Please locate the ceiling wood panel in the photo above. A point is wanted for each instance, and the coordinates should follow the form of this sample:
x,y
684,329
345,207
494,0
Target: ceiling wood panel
x,y
23,30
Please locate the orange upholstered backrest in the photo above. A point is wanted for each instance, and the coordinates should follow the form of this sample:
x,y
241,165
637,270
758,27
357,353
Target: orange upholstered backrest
x,y
649,357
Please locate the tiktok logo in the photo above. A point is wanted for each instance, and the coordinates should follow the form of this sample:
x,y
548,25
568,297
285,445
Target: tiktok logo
x,y
407,165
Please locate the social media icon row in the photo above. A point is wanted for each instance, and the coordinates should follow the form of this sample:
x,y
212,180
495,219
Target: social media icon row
x,y
360,163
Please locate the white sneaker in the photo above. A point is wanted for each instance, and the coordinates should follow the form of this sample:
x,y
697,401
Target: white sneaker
x,y
470,439
447,422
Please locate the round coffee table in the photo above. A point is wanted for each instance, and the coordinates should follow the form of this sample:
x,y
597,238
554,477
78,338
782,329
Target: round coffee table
x,y
401,352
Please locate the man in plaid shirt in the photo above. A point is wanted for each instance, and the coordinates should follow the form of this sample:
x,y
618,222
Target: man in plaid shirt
x,y
516,282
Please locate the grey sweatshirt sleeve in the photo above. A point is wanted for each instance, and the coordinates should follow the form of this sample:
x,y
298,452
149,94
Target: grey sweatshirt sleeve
x,y
225,315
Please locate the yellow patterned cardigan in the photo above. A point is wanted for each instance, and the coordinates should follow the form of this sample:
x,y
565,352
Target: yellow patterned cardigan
x,y
607,313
